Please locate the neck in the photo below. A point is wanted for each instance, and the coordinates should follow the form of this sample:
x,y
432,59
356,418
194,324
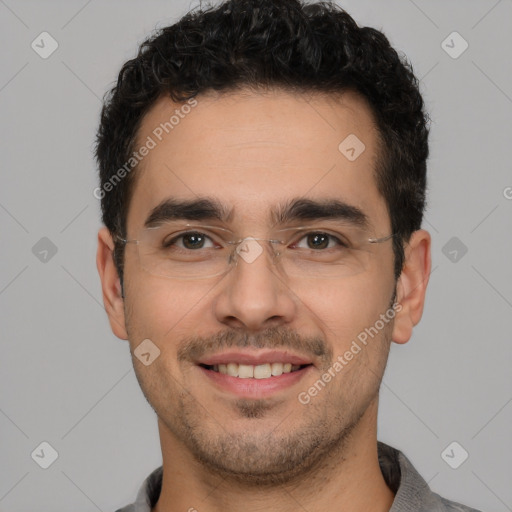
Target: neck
x,y
349,476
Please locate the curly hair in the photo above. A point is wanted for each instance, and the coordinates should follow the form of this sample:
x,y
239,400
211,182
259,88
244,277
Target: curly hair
x,y
315,47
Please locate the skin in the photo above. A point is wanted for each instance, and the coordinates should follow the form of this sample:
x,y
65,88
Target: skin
x,y
252,151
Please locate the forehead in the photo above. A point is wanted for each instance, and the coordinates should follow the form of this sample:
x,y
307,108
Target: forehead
x,y
255,151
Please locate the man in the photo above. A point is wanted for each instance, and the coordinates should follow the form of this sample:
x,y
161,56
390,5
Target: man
x,y
262,170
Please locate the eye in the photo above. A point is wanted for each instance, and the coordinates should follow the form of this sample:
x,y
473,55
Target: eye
x,y
320,240
191,240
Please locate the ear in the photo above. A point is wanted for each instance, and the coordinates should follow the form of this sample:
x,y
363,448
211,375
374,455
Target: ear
x,y
412,285
110,284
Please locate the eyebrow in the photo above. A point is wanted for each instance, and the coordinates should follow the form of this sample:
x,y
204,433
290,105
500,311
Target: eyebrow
x,y
309,209
188,209
297,209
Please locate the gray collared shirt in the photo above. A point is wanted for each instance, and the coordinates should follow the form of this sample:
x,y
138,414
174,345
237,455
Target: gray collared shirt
x,y
412,493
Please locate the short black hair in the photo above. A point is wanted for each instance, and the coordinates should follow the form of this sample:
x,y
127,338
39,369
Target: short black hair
x,y
265,44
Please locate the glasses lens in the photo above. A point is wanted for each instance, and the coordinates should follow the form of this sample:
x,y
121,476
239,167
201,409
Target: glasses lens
x,y
183,251
194,251
325,253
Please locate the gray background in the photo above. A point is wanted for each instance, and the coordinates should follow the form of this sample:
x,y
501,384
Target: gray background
x,y
64,377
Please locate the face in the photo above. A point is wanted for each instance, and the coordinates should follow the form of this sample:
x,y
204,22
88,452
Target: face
x,y
254,154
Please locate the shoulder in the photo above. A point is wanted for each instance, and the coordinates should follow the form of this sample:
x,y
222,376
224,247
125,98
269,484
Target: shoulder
x,y
148,493
452,506
412,492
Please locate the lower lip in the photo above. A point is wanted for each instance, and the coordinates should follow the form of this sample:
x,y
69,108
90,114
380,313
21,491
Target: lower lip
x,y
255,388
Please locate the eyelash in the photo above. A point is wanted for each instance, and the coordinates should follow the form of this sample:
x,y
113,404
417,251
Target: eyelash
x,y
167,244
338,241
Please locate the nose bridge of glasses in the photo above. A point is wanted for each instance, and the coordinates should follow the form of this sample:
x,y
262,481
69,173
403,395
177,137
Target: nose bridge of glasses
x,y
250,248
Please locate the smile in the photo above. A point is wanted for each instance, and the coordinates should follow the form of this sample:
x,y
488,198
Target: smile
x,y
248,371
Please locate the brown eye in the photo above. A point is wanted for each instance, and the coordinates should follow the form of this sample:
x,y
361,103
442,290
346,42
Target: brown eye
x,y
192,240
318,241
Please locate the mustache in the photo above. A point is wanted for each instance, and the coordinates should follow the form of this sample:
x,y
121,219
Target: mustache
x,y
195,347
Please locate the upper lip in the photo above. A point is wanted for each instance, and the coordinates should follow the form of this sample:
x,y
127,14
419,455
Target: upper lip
x,y
254,358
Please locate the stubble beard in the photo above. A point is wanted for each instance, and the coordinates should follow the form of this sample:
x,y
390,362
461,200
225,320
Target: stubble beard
x,y
255,458
286,454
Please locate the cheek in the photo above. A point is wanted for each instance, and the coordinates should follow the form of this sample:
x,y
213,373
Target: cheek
x,y
343,309
162,309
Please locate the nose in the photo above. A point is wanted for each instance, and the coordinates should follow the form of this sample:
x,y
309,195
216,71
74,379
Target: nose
x,y
255,295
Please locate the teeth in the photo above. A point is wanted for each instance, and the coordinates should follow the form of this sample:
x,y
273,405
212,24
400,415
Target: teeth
x,y
261,371
245,371
277,369
233,369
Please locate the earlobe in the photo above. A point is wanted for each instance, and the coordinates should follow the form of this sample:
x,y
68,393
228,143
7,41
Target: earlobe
x,y
110,284
412,285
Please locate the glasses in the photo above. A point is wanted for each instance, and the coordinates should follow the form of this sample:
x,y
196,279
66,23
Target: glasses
x,y
194,251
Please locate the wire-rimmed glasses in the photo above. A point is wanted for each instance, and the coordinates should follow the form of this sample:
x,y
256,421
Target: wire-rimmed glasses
x,y
181,250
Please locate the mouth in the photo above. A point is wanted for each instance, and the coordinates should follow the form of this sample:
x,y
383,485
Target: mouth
x,y
254,375
249,371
